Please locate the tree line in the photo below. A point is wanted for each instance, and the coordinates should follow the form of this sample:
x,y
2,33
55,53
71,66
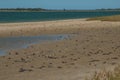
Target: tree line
x,y
57,10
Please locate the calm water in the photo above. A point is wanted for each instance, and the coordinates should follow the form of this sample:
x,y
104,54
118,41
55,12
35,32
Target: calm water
x,y
45,16
10,43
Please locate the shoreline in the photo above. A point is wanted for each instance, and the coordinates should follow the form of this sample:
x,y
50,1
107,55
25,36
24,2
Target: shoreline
x,y
25,10
49,27
95,47
44,21
45,27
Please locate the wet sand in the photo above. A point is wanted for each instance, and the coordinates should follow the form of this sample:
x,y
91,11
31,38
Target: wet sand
x,y
94,46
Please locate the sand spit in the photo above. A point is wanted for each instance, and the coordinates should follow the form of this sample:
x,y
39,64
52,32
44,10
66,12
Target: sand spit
x,y
96,45
50,27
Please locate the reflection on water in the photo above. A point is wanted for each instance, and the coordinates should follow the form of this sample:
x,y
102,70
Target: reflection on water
x,y
10,43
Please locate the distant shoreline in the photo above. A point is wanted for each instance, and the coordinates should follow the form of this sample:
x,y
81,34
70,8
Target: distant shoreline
x,y
51,10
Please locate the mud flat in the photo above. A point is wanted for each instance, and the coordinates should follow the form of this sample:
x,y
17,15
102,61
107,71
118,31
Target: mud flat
x,y
95,46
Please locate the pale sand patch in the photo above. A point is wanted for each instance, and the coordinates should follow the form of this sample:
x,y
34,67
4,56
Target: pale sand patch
x,y
96,45
49,27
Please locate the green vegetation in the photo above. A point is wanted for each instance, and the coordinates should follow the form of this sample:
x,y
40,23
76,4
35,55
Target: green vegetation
x,y
21,9
106,18
107,75
51,10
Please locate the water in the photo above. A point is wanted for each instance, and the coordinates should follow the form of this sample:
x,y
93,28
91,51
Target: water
x,y
11,43
46,16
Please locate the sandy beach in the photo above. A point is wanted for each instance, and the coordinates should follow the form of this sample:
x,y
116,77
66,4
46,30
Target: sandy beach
x,y
95,45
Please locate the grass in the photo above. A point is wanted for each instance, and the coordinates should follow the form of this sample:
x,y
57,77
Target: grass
x,y
106,18
107,75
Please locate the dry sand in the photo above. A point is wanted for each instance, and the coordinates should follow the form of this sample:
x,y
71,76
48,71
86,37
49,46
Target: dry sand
x,y
94,46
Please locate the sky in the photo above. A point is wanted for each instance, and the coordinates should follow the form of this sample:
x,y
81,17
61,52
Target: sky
x,y
60,4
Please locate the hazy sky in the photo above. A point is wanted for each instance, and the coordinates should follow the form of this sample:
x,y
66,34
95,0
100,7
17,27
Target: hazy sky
x,y
60,4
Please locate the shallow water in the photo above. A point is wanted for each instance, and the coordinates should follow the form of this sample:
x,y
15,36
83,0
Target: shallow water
x,y
11,43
